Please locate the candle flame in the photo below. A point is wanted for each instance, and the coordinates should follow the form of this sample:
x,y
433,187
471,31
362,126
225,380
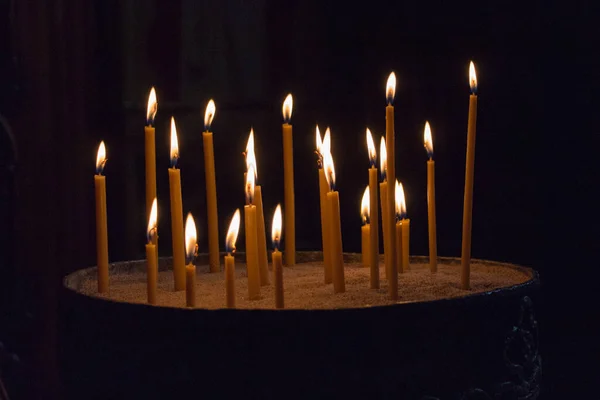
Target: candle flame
x,y
276,227
287,108
390,89
428,140
365,207
399,196
326,146
209,114
383,159
174,144
329,170
318,139
232,232
250,175
472,78
371,148
250,155
152,222
101,158
190,239
152,107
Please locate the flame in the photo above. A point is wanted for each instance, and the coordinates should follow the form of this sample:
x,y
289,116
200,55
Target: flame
x,y
101,158
152,107
326,146
472,78
318,140
428,140
232,232
152,221
190,238
250,155
174,144
209,114
276,227
287,108
250,175
383,159
390,89
371,148
400,201
329,170
365,206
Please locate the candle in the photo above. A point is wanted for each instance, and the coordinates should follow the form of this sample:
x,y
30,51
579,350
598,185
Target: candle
x,y
391,177
405,228
428,141
398,229
251,243
374,215
151,257
176,213
469,170
288,174
333,203
322,147
232,234
211,189
260,219
101,220
190,269
150,151
365,229
276,256
383,199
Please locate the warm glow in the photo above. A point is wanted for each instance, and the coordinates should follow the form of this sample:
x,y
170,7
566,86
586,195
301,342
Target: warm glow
x,y
400,201
329,170
383,159
250,155
390,89
276,227
428,140
318,139
472,78
152,221
232,232
326,145
371,148
287,108
101,158
174,144
211,109
190,238
365,206
152,107
250,175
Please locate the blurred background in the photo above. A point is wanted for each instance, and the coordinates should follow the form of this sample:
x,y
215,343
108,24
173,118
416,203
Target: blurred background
x,y
76,72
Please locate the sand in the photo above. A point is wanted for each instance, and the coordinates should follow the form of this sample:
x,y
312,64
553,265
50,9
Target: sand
x,y
304,287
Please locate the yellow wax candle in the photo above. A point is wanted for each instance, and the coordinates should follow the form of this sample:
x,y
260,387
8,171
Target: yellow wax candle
x,y
151,256
101,221
190,285
374,214
251,242
385,223
399,195
288,172
465,277
391,177
405,244
211,189
365,230
261,237
176,214
333,203
230,240
276,257
322,148
150,151
190,268
399,249
431,199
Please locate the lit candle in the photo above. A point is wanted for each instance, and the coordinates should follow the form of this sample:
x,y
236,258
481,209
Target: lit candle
x,y
465,277
176,213
398,228
322,148
428,141
365,229
251,243
101,220
150,154
333,203
151,258
211,189
391,177
232,235
374,214
288,174
383,186
405,228
190,269
260,219
276,256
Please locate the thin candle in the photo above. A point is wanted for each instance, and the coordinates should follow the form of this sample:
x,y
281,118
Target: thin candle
x,y
101,220
365,229
151,257
251,242
211,188
232,234
428,142
391,177
276,257
150,151
333,200
405,229
384,209
398,227
323,147
374,214
176,213
288,175
191,248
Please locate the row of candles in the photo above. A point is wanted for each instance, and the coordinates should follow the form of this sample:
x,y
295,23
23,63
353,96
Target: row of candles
x,y
395,224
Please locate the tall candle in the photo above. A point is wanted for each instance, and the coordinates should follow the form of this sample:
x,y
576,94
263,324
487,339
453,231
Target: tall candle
x,y
176,213
151,257
251,243
150,151
365,229
101,220
211,189
333,203
374,215
405,229
323,189
232,233
398,228
288,174
190,269
465,277
391,177
276,257
428,141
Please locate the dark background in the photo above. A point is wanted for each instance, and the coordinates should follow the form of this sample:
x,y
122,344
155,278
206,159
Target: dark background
x,y
77,72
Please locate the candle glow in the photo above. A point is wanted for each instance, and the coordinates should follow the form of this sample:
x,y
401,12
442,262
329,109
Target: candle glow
x,y
101,158
371,148
287,108
383,160
152,107
400,201
326,145
209,114
365,207
276,227
318,140
250,155
174,144
390,89
472,78
152,222
190,239
329,170
232,233
250,175
428,141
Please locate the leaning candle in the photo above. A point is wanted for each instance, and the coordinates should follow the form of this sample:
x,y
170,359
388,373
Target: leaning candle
x,y
322,147
365,229
373,214
288,175
190,268
398,229
101,220
150,151
211,189
251,243
151,257
232,235
428,141
276,256
176,214
333,203
405,230
391,175
465,276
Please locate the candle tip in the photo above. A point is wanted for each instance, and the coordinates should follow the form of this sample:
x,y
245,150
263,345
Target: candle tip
x,y
191,247
383,159
152,107
276,227
153,222
101,158
365,206
390,90
287,108
472,78
209,114
371,148
232,232
428,140
174,144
